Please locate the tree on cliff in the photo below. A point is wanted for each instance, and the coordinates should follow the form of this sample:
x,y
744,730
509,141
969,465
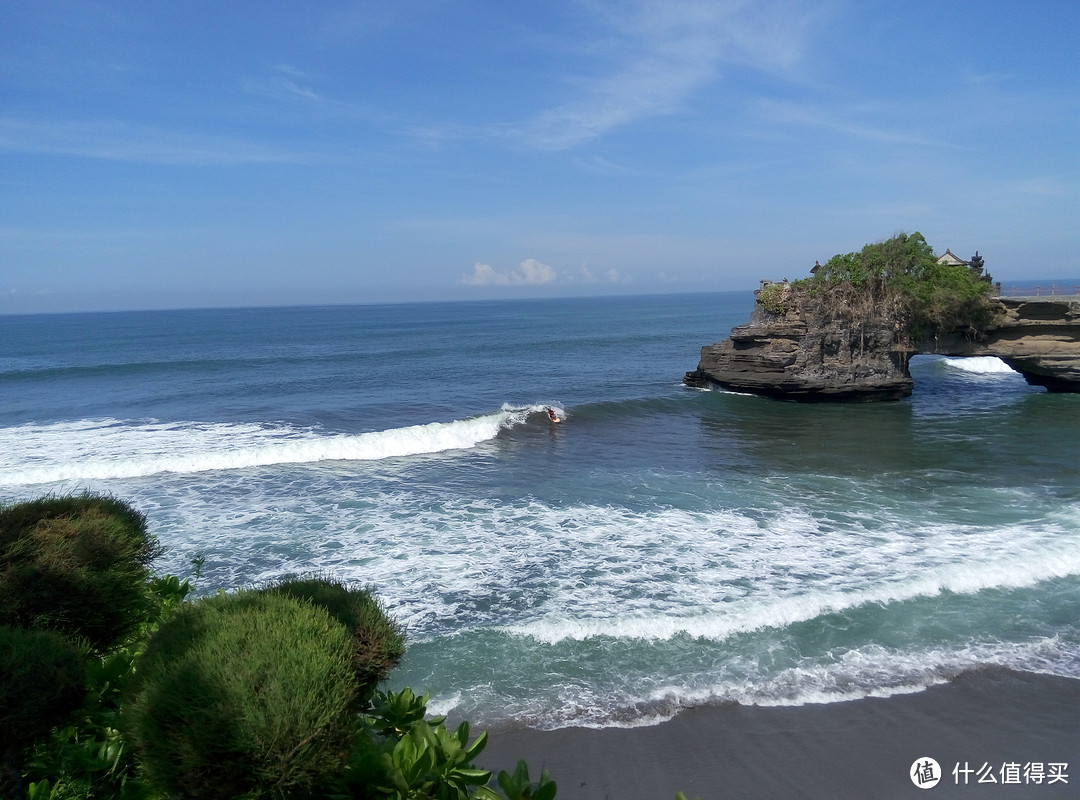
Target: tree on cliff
x,y
900,278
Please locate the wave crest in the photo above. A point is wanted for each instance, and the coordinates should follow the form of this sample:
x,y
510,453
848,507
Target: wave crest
x,y
981,365
87,450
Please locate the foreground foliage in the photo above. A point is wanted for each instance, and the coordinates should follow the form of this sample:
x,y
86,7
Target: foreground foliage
x,y
263,693
245,694
378,642
76,565
88,758
42,681
402,753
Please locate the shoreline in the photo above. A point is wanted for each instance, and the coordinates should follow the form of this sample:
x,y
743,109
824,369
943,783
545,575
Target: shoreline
x,y
851,749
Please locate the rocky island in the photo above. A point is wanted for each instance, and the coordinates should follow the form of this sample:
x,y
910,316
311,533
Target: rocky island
x,y
849,331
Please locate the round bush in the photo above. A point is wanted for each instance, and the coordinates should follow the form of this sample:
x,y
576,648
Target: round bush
x,y
248,694
378,641
42,681
76,565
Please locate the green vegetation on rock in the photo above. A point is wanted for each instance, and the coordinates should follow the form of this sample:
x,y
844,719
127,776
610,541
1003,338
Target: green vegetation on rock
x,y
900,279
775,297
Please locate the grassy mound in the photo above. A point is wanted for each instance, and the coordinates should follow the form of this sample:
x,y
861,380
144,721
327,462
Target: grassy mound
x,y
76,565
378,641
249,695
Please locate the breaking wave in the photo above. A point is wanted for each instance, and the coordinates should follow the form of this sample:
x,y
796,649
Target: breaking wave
x,y
105,449
982,365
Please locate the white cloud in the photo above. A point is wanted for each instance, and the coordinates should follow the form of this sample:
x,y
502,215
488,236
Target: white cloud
x,y
611,275
660,54
529,272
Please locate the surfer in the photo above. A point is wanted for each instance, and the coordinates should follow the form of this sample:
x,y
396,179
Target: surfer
x,y
552,415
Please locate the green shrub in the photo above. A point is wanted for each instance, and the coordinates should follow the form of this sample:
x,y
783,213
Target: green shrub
x,y
773,298
249,694
402,754
42,682
89,759
76,565
378,642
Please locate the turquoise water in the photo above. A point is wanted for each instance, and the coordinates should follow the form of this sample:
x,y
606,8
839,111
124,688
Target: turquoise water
x,y
663,547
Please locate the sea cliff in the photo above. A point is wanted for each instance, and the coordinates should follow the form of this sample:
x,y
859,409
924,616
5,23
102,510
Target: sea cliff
x,y
803,353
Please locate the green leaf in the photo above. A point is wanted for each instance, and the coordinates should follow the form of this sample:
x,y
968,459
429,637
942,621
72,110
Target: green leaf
x,y
39,791
477,746
546,791
475,776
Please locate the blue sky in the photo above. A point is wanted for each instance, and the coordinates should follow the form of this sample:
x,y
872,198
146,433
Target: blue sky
x,y
157,154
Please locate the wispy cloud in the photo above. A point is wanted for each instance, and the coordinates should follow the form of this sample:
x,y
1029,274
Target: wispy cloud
x,y
980,78
115,140
846,121
1045,186
289,83
661,53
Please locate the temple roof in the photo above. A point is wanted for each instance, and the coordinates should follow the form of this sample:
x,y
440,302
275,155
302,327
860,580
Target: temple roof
x,y
949,257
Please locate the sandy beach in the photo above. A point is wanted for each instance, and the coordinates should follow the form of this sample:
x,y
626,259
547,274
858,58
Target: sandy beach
x,y
984,721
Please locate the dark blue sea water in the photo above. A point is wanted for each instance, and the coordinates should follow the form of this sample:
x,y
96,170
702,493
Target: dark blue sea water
x,y
662,547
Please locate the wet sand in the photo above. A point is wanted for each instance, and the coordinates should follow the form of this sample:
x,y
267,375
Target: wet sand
x,y
857,749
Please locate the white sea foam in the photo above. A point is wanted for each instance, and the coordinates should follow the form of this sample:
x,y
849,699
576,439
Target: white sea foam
x,y
798,575
641,700
965,577
868,671
983,365
441,706
552,573
108,449
871,670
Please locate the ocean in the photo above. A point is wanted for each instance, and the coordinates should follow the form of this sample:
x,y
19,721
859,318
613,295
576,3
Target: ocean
x,y
661,548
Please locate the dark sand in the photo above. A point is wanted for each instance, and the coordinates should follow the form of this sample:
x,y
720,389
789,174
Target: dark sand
x,y
858,749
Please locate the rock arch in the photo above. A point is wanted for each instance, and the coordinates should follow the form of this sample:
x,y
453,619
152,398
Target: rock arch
x,y
796,357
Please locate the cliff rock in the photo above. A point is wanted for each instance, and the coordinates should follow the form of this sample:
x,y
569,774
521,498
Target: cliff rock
x,y
1038,338
803,355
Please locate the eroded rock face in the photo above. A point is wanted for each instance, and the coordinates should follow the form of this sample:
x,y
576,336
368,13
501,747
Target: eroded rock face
x,y
1040,339
799,356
